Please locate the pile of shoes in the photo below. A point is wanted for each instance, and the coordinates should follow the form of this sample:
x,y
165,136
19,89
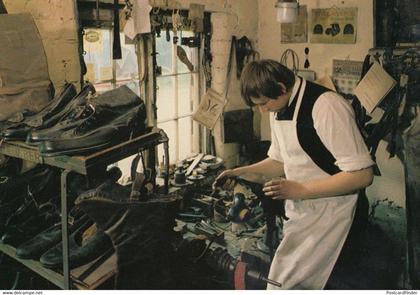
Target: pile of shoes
x,y
30,216
75,124
141,230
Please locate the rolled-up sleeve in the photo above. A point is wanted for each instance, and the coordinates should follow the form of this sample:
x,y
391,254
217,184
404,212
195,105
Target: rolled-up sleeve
x,y
274,151
335,124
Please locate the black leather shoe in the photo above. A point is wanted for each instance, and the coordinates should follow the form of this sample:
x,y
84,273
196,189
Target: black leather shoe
x,y
19,131
80,252
68,111
43,218
10,167
12,187
85,139
77,117
35,247
96,140
24,212
107,106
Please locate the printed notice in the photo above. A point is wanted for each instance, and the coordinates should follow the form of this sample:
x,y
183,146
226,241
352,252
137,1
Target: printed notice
x,y
374,86
210,109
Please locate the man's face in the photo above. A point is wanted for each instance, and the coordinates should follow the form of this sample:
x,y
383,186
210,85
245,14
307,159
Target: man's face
x,y
266,104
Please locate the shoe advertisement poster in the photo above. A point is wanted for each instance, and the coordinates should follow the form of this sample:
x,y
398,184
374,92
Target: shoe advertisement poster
x,y
333,25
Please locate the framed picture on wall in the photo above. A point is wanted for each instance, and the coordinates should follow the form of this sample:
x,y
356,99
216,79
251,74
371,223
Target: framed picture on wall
x,y
334,25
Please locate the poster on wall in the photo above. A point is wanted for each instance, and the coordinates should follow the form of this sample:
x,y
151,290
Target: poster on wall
x,y
334,25
296,32
346,74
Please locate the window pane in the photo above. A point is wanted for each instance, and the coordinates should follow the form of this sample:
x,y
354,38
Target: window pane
x,y
165,98
181,67
134,85
97,44
185,137
184,94
164,50
126,67
170,129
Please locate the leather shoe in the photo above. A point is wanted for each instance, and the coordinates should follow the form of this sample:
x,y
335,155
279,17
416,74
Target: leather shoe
x,y
19,131
68,111
35,247
80,252
10,167
19,233
85,139
81,114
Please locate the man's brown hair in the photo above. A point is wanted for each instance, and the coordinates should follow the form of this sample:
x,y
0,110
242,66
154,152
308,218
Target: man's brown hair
x,y
261,78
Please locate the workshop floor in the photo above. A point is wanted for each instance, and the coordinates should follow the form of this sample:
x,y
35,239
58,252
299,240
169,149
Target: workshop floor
x,y
381,264
382,260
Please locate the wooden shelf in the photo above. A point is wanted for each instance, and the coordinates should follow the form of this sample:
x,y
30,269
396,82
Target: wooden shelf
x,y
85,164
48,274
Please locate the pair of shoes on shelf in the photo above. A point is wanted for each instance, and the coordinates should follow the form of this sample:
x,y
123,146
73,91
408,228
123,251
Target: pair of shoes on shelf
x,y
72,110
141,231
46,117
42,242
48,248
13,186
95,134
42,218
81,250
98,111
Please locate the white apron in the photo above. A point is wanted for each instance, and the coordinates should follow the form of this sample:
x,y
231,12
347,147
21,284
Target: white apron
x,y
317,228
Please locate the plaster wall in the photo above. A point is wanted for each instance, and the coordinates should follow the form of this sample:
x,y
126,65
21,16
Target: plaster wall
x,y
57,24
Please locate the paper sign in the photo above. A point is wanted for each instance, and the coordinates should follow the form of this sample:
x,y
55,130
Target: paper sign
x,y
210,109
139,23
106,73
346,74
334,25
374,86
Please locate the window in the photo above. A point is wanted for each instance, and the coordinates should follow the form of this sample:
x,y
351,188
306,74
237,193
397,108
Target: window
x,y
106,74
177,91
177,88
103,72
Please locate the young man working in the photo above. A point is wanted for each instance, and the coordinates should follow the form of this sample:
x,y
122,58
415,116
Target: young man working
x,y
317,162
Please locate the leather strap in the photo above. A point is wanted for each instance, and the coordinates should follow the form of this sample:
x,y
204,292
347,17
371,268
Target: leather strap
x,y
116,46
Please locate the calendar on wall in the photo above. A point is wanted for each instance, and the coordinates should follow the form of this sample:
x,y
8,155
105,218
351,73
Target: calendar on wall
x,y
346,75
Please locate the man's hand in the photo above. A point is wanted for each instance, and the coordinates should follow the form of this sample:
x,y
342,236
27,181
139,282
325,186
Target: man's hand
x,y
285,189
225,180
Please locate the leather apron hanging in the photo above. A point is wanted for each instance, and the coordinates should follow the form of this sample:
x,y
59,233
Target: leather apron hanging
x,y
317,228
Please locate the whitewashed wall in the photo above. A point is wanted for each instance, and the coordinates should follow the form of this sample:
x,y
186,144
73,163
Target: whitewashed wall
x,y
56,22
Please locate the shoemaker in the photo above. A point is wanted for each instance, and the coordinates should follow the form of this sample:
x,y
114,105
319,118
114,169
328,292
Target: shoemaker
x,y
317,162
